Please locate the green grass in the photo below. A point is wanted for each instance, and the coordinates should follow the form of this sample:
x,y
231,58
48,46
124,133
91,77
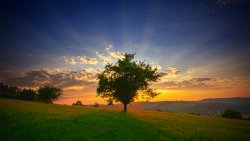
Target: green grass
x,y
20,120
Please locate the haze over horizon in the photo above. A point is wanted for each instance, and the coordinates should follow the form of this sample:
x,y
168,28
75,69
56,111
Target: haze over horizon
x,y
202,48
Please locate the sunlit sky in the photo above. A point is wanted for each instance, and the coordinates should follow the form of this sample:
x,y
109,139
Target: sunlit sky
x,y
202,47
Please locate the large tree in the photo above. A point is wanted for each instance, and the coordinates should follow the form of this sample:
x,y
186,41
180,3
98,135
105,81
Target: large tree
x,y
126,80
48,94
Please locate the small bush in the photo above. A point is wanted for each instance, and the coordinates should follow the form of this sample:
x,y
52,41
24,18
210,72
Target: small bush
x,y
78,103
96,105
229,113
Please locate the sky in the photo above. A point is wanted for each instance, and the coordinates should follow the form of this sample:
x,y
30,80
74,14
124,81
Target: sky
x,y
201,46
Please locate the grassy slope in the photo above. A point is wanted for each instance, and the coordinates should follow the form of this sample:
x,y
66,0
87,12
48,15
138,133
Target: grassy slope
x,y
21,120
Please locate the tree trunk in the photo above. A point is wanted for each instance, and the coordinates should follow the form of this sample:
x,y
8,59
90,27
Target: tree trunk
x,y
125,108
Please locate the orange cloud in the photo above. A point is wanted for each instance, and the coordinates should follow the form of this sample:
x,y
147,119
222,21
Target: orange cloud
x,y
104,58
70,60
117,54
87,60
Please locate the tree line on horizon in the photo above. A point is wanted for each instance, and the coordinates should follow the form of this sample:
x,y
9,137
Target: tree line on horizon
x,y
45,94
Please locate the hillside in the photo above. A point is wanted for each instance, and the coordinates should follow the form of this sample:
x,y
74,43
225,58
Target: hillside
x,y
20,120
212,106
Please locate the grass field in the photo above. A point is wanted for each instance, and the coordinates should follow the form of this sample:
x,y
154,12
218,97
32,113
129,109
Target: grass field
x,y
20,120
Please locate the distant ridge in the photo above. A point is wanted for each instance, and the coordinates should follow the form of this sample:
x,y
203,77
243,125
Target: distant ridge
x,y
208,106
232,98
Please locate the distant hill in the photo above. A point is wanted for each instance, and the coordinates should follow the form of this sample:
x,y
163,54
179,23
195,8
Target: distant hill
x,y
210,106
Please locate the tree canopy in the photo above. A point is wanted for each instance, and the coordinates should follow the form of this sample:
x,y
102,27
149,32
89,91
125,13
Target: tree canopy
x,y
28,94
7,91
126,80
48,94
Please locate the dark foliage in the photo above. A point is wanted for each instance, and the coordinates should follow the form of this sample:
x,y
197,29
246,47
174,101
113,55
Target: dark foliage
x,y
96,105
229,113
48,94
28,94
12,92
110,102
78,103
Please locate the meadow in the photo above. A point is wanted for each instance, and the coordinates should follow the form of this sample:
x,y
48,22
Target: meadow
x,y
22,120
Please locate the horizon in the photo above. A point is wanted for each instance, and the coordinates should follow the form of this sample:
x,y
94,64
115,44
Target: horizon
x,y
116,103
200,47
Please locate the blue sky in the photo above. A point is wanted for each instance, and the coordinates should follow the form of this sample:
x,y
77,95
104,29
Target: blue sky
x,y
211,37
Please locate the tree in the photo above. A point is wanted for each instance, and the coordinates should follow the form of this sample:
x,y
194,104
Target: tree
x,y
48,94
78,103
28,94
126,80
12,92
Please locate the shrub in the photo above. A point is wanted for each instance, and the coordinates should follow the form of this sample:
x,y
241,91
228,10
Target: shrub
x,y
78,103
229,113
96,105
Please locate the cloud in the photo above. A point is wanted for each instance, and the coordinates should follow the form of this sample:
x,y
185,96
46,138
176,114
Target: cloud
x,y
110,55
74,88
191,83
55,70
196,83
104,58
228,2
80,59
170,72
91,70
70,60
157,66
7,73
87,60
64,79
117,54
205,83
109,47
31,79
